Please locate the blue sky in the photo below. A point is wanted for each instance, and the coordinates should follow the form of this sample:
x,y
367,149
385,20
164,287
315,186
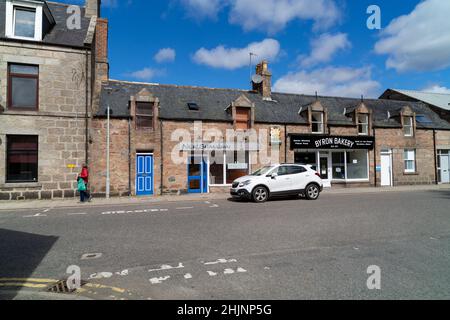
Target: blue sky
x,y
311,45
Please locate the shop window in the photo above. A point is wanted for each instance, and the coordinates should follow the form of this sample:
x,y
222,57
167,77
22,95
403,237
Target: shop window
x,y
23,83
237,165
144,115
410,160
408,128
216,168
363,124
357,165
307,158
22,159
338,165
317,122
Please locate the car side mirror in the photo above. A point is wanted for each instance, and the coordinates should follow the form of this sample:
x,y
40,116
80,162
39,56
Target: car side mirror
x,y
273,175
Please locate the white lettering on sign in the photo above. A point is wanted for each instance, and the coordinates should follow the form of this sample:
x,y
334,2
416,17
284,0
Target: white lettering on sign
x,y
334,141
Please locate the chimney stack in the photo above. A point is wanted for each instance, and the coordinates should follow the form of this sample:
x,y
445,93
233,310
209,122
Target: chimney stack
x,y
92,8
265,87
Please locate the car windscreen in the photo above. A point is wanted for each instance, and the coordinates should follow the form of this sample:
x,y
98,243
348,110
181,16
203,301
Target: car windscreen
x,y
262,171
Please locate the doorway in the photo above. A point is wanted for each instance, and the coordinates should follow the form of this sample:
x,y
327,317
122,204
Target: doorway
x,y
144,174
443,166
325,168
197,175
386,168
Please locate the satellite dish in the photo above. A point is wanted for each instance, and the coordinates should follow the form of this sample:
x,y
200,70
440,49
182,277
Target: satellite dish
x,y
257,79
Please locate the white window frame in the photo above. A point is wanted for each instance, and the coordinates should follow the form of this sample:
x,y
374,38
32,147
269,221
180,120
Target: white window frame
x,y
409,125
406,158
10,19
363,124
321,123
225,166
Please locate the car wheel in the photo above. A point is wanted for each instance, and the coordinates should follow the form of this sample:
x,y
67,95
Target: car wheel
x,y
260,194
312,192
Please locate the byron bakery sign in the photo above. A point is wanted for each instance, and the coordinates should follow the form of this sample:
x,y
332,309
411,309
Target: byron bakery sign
x,y
331,142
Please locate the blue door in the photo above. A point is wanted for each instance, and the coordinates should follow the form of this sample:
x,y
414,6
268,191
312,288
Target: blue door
x,y
144,175
197,175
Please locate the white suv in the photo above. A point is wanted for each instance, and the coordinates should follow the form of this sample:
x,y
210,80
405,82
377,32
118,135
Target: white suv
x,y
278,180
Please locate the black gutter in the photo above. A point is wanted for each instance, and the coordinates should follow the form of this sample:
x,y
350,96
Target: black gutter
x,y
87,110
375,156
435,158
162,155
129,157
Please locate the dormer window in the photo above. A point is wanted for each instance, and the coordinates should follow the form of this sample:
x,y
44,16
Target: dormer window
x,y
363,124
144,115
408,126
317,122
24,20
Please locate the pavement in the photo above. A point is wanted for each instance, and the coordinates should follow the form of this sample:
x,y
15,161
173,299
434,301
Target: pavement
x,y
60,203
199,248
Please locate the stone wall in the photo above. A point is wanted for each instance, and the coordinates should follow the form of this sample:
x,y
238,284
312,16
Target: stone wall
x,y
59,122
425,163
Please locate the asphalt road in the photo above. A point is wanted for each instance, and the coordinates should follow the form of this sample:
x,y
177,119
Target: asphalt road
x,y
285,249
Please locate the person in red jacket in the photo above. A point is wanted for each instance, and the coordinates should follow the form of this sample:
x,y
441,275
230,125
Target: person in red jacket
x,y
85,176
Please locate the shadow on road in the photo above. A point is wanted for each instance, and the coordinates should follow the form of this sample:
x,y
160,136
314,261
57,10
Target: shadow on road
x,y
443,194
20,254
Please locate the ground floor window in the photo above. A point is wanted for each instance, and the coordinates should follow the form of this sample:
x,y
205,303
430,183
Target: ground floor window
x,y
22,158
225,167
410,160
337,164
357,164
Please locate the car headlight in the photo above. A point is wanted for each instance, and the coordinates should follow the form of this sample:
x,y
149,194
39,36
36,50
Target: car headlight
x,y
245,183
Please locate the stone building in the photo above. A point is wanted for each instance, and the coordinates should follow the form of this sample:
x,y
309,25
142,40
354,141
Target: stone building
x,y
52,57
164,138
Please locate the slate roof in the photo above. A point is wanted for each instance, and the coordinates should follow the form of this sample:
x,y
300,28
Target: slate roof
x,y
284,109
440,100
59,35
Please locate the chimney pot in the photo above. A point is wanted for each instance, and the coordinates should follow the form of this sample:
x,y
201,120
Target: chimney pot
x,y
92,8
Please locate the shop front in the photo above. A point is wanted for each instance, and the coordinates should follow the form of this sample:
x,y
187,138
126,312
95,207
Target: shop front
x,y
337,159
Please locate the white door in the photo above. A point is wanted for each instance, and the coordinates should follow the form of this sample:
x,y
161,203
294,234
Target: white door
x,y
325,169
445,174
386,169
283,181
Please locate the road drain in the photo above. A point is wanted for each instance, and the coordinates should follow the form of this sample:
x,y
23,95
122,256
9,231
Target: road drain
x,y
61,287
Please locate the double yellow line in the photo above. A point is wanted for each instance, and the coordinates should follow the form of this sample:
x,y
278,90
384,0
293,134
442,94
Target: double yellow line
x,y
26,283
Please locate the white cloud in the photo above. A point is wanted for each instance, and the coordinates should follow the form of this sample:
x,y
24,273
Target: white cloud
x,y
330,81
274,15
200,9
165,55
146,74
324,47
234,58
419,41
437,89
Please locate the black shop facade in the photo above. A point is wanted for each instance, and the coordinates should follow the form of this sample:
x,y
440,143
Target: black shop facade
x,y
340,160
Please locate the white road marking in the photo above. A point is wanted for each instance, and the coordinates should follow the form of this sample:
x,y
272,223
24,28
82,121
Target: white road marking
x,y
123,273
188,276
185,208
214,206
167,267
77,214
36,215
159,280
241,270
89,256
220,261
212,274
135,211
228,271
101,275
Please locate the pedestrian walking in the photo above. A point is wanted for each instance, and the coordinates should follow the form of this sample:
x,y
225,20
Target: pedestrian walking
x,y
85,176
82,189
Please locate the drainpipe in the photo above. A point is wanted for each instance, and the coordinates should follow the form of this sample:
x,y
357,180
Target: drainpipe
x,y
435,158
86,155
162,155
285,143
375,156
129,157
107,154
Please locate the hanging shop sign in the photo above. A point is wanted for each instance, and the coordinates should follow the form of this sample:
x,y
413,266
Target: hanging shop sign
x,y
331,142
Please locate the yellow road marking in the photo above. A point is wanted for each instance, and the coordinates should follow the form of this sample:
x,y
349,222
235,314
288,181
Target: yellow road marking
x,y
28,280
23,284
100,286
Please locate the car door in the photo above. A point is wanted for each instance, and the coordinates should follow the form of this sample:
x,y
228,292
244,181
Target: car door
x,y
300,177
282,182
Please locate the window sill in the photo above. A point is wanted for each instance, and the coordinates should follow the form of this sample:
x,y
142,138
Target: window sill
x,y
410,173
21,185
